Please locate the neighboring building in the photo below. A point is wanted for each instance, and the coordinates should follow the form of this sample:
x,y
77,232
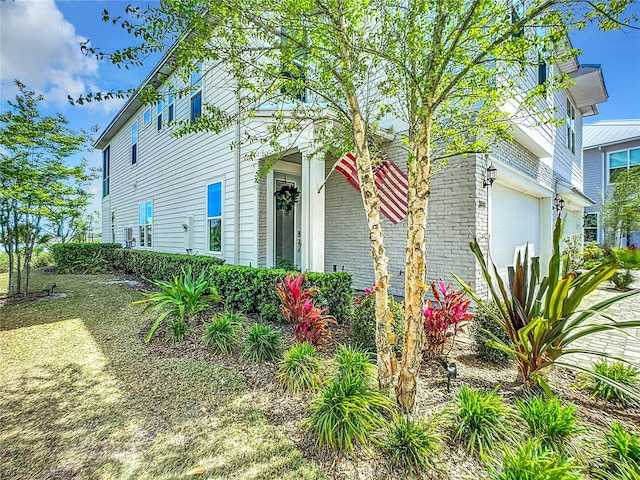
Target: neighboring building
x,y
195,194
610,146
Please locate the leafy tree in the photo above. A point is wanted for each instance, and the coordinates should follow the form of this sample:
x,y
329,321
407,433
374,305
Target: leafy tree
x,y
36,184
620,208
443,71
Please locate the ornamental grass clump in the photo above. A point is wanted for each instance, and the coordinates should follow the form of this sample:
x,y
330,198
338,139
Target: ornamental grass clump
x,y
223,332
551,422
481,420
352,361
300,368
533,461
310,323
615,381
412,446
262,343
542,317
177,331
444,317
347,413
621,456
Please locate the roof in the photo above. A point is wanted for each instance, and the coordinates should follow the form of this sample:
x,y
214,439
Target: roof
x,y
608,132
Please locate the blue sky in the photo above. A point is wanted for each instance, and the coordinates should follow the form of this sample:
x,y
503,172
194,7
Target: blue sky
x,y
40,40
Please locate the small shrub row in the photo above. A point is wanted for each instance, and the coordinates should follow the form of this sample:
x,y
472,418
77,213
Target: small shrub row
x,y
244,289
84,257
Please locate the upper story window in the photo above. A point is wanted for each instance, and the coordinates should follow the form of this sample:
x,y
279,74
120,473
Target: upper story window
x,y
134,143
623,160
590,227
106,170
147,116
196,96
570,122
145,223
170,106
159,114
214,216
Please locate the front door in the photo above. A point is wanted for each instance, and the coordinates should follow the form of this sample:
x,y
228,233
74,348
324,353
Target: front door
x,y
288,241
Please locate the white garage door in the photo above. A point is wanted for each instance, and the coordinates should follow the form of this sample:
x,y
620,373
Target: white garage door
x,y
515,221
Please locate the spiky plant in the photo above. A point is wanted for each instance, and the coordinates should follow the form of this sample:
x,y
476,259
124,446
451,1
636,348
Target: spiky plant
x,y
354,362
223,332
608,379
262,343
533,461
300,368
550,421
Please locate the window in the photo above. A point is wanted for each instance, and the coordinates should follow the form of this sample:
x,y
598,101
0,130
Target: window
x,y
145,223
214,216
623,160
590,227
517,12
170,106
147,116
543,70
134,143
570,121
159,113
196,98
106,170
196,107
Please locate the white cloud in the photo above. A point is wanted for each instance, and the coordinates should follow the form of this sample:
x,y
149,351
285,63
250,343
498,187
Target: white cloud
x,y
40,47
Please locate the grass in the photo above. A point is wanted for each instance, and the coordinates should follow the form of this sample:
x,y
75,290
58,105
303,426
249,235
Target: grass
x,y
82,397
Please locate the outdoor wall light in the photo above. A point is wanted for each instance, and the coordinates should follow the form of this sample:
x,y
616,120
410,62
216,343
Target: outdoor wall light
x,y
558,203
492,173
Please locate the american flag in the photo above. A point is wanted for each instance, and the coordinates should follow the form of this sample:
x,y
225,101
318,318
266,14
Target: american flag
x,y
391,182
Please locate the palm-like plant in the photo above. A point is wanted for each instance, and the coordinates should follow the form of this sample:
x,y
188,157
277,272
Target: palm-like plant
x,y
181,299
541,317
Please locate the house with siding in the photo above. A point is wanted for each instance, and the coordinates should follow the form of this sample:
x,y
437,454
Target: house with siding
x,y
609,147
194,193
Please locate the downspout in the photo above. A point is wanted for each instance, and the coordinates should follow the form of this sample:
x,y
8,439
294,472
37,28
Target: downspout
x,y
236,224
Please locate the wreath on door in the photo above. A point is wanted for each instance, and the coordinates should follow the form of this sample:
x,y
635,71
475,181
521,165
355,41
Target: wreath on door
x,y
287,197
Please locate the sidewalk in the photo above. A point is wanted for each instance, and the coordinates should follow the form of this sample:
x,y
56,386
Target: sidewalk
x,y
622,344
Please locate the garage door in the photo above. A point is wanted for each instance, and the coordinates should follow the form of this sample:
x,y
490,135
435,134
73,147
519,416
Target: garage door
x,y
515,221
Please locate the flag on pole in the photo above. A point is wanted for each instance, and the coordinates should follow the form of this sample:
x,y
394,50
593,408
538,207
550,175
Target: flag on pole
x,y
391,182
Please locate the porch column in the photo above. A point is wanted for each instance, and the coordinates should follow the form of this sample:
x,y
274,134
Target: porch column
x,y
312,212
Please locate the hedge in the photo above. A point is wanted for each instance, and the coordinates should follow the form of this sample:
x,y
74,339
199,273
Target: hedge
x,y
245,289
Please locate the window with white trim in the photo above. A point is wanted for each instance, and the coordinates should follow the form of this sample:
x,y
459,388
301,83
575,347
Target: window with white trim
x,y
145,223
170,106
106,170
622,160
134,143
147,116
570,121
196,95
214,217
159,114
590,226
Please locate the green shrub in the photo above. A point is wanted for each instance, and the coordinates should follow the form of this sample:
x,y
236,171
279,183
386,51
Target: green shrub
x,y
412,446
262,343
622,280
622,374
177,330
621,456
158,265
532,461
363,323
593,254
484,328
346,413
4,262
181,299
480,420
300,368
550,421
355,363
84,257
629,257
222,333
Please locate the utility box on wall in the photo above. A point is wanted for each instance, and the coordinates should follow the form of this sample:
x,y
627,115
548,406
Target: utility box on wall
x,y
187,226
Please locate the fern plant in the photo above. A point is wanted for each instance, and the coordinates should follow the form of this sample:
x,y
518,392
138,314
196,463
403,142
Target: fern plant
x,y
180,299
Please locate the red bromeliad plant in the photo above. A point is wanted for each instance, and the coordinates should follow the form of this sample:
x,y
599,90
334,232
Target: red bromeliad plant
x,y
309,322
444,317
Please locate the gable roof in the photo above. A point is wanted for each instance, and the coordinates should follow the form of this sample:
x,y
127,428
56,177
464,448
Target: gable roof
x,y
608,132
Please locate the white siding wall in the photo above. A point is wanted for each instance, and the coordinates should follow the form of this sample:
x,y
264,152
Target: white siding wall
x,y
174,173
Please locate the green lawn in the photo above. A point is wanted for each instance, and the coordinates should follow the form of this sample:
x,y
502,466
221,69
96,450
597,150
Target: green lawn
x,y
81,396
